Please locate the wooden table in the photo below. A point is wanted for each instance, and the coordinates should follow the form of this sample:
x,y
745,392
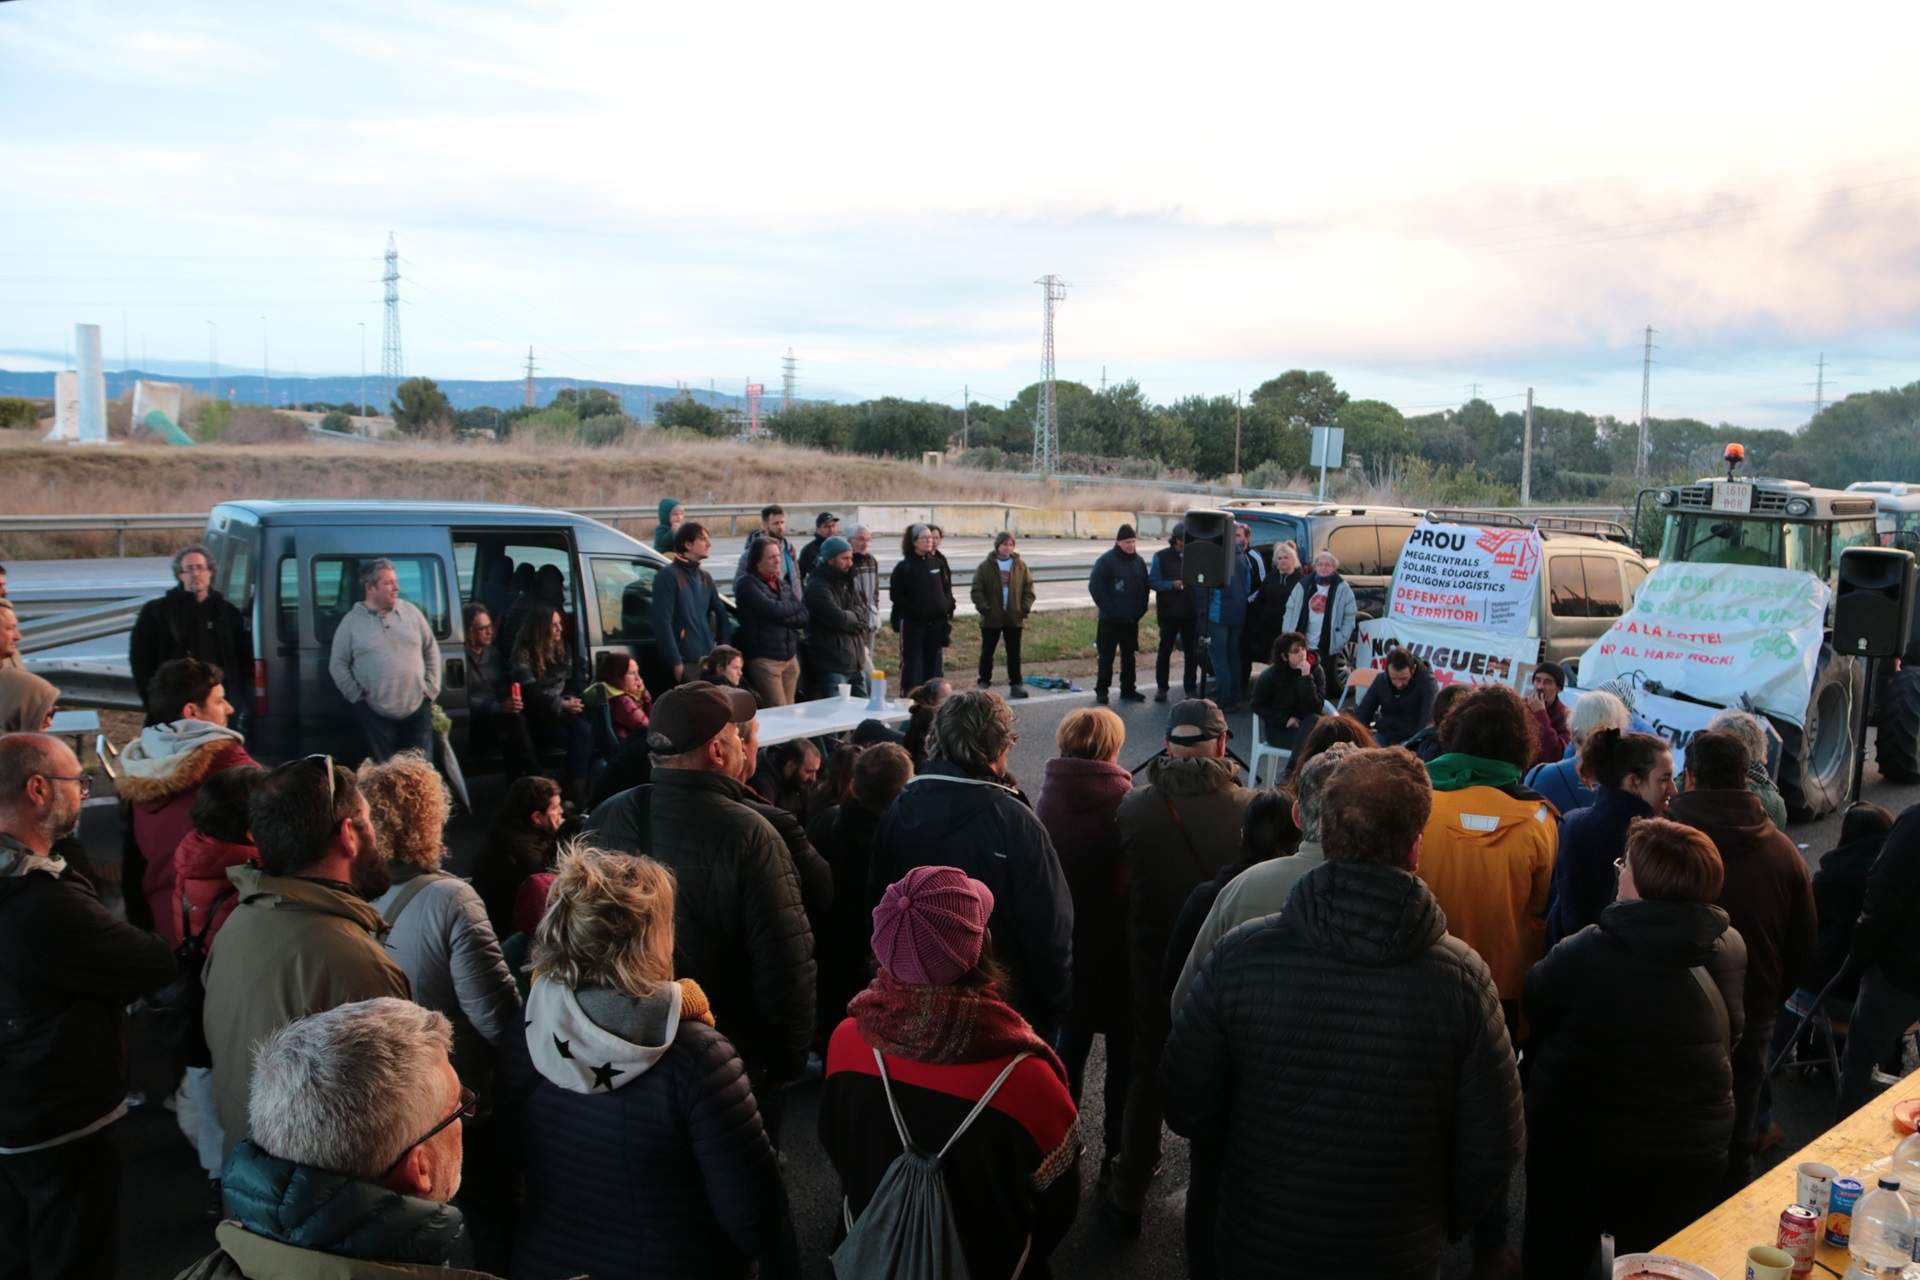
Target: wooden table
x,y
1720,1240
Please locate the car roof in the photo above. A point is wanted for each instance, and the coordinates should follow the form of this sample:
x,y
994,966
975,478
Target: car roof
x,y
590,534
1282,507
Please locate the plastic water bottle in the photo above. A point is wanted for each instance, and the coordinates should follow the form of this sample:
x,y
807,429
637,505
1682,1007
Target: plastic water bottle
x,y
877,700
1906,1167
1882,1231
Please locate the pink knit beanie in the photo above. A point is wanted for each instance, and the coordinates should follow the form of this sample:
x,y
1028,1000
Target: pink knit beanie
x,y
930,925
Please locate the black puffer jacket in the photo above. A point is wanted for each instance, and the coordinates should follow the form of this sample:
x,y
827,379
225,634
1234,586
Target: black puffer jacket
x,y
665,1174
946,819
68,970
1349,1032
1631,1053
1281,693
740,930
1839,896
771,618
1888,935
1395,715
836,621
919,591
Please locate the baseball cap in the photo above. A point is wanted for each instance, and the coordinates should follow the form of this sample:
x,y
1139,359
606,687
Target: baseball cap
x,y
824,519
1196,720
690,716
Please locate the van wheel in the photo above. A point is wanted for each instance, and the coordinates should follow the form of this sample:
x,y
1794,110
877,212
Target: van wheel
x,y
1897,744
1816,760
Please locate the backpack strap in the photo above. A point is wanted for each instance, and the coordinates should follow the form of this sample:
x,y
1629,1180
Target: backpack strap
x,y
213,909
900,1125
408,892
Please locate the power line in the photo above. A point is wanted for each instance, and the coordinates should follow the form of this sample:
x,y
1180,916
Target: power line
x,y
1646,400
1046,428
1820,386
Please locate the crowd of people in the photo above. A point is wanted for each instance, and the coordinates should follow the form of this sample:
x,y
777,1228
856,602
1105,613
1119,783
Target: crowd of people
x,y
1469,937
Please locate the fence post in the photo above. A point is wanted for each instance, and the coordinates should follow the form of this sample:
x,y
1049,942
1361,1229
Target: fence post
x,y
120,540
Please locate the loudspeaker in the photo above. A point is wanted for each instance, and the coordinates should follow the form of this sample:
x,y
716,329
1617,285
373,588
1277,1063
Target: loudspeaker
x,y
1873,605
1205,559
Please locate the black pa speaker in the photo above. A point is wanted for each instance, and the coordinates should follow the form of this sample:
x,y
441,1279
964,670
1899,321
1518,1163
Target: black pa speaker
x,y
1873,605
1205,558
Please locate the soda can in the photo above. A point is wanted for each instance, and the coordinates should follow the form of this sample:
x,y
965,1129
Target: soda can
x,y
1846,1194
1799,1234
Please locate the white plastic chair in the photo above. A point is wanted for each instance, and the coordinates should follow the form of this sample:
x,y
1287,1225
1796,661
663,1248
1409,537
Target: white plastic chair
x,y
1263,751
1359,680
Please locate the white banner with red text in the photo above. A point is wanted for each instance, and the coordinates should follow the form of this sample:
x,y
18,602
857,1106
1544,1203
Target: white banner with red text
x,y
1458,575
1454,655
1719,631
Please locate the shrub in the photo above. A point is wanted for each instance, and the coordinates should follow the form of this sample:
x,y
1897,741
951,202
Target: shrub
x,y
337,421
213,420
15,412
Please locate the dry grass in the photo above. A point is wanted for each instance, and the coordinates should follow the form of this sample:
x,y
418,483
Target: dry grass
x,y
1058,642
138,477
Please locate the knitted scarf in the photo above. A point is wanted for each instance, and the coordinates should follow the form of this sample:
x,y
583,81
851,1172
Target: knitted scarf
x,y
1457,771
944,1024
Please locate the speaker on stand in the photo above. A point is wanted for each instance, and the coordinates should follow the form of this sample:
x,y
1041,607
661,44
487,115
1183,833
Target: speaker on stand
x,y
1872,619
1207,568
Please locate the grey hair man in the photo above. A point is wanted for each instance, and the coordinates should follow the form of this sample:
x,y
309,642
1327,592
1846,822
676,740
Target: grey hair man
x,y
1752,732
357,1123
866,585
386,664
1262,889
68,969
965,811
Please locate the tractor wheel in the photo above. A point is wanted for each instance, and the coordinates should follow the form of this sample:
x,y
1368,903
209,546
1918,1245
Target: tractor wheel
x,y
1816,760
1898,740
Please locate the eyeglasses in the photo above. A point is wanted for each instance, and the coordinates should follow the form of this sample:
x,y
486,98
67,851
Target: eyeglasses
x,y
326,762
84,781
469,1103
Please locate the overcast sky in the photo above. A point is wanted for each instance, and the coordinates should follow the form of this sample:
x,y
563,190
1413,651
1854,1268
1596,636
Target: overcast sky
x,y
1416,198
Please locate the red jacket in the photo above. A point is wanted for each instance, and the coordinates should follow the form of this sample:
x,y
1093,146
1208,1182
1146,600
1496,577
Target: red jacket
x,y
1551,733
630,713
163,817
200,869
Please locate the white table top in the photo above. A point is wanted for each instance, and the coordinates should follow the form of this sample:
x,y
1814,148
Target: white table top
x,y
823,715
75,722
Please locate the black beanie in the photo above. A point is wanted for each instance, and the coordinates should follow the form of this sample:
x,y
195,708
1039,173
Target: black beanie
x,y
1126,531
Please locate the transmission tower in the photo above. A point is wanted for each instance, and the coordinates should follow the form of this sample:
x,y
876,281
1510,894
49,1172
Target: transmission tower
x,y
1820,386
1646,402
788,372
1046,427
527,395
390,364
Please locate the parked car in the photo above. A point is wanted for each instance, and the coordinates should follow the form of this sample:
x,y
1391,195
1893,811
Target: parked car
x,y
292,569
1367,540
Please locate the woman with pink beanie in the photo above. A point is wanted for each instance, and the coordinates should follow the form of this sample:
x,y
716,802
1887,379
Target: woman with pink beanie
x,y
930,1037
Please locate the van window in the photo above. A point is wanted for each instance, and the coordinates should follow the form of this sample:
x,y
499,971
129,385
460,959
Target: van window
x,y
237,571
1392,538
287,604
1357,548
1567,587
1603,587
336,589
501,570
1636,574
623,593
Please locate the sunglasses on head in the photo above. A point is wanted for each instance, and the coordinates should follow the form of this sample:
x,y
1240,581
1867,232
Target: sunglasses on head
x,y
326,762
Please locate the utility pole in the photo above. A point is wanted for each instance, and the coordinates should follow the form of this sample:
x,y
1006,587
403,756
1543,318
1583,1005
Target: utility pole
x,y
392,367
362,406
788,378
1646,403
213,360
526,392
266,378
1046,426
1475,388
966,403
1236,433
1103,379
1820,386
1526,456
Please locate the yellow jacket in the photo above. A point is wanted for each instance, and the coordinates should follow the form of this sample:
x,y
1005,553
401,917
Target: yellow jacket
x,y
1488,858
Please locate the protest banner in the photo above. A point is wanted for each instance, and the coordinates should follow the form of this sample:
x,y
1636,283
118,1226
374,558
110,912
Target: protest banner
x,y
1718,631
1452,653
1460,575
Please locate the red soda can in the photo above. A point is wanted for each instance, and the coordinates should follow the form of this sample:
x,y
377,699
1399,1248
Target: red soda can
x,y
1799,1236
516,691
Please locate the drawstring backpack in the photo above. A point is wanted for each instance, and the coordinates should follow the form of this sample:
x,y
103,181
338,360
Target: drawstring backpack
x,y
906,1232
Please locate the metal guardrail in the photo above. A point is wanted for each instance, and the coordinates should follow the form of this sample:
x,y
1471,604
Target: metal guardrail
x,y
81,625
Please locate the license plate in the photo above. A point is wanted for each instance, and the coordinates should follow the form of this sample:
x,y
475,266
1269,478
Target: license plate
x,y
1737,498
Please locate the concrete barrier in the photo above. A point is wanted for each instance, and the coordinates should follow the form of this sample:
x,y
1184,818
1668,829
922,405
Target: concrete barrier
x,y
1102,524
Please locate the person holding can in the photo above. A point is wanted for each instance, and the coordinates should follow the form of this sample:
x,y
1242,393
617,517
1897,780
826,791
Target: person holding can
x,y
1630,1106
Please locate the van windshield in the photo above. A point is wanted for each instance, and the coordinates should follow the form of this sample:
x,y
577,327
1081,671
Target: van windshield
x,y
1709,538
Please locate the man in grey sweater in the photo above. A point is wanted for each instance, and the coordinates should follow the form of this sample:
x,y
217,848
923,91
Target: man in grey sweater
x,y
1262,889
387,666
